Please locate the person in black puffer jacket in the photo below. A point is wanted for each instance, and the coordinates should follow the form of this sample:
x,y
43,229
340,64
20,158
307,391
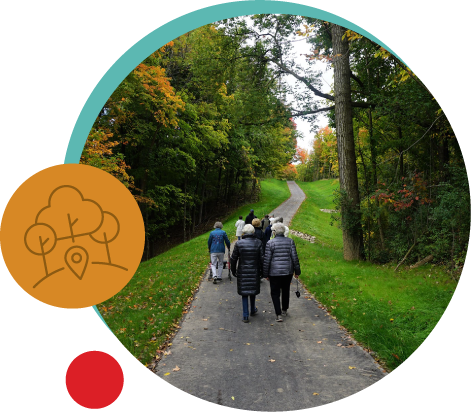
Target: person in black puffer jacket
x,y
256,223
280,262
248,253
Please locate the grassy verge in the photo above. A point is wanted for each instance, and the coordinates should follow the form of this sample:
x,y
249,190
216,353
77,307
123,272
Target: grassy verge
x,y
144,315
390,313
309,218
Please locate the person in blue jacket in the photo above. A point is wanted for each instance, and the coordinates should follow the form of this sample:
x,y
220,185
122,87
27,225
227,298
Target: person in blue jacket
x,y
217,250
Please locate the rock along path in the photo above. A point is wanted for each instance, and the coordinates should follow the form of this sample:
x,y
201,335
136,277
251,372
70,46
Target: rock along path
x,y
303,362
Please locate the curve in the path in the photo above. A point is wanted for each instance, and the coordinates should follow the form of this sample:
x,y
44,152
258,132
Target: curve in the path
x,y
263,365
289,207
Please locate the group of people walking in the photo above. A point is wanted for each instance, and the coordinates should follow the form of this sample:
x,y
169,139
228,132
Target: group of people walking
x,y
263,250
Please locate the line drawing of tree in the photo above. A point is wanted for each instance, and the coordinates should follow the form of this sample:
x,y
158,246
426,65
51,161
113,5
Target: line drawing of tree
x,y
110,225
35,244
89,206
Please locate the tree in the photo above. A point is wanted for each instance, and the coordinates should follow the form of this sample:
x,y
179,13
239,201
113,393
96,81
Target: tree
x,y
350,196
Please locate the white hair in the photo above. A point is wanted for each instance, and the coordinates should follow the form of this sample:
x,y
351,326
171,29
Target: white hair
x,y
278,228
248,229
218,225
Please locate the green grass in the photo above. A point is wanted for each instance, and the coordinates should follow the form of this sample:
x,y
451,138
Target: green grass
x,y
391,313
310,220
145,313
362,296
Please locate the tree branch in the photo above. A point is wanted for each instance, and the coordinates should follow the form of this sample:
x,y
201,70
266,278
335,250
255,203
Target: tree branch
x,y
303,80
360,83
306,112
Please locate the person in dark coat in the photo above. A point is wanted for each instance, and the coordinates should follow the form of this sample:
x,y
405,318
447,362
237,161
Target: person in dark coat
x,y
258,232
280,262
268,233
251,216
247,267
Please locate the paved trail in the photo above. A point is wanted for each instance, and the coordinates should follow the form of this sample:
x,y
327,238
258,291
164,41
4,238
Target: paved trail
x,y
264,365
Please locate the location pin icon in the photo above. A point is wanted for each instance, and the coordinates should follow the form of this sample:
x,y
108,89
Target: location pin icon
x,y
76,259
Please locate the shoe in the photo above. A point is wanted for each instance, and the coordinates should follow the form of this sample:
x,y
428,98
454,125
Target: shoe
x,y
279,318
245,320
284,313
215,281
254,312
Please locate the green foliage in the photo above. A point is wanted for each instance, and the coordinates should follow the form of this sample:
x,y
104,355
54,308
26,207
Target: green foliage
x,y
194,142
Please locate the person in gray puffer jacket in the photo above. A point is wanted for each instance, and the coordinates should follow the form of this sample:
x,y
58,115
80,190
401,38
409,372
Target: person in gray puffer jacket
x,y
248,253
280,262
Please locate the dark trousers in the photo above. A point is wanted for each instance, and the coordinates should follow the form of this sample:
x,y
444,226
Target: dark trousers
x,y
245,305
280,284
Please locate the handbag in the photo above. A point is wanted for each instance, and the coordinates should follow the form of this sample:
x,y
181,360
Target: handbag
x,y
297,293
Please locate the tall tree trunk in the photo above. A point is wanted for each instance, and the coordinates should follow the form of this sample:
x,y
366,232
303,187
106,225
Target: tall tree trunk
x,y
184,212
443,157
401,155
226,187
370,128
218,187
351,224
202,196
372,147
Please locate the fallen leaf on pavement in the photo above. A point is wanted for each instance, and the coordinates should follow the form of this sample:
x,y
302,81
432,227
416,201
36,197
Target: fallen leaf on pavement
x,y
352,367
247,343
339,344
315,393
168,373
167,352
319,341
272,360
176,369
232,398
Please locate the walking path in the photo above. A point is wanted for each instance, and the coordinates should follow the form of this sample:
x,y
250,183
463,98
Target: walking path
x,y
303,362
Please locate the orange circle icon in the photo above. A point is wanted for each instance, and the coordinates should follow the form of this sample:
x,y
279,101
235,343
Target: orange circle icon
x,y
72,236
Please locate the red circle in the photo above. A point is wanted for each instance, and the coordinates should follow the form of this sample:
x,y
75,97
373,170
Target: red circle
x,y
94,379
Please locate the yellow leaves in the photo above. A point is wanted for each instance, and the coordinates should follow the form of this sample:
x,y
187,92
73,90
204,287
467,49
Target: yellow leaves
x,y
352,367
248,344
315,394
166,374
232,398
